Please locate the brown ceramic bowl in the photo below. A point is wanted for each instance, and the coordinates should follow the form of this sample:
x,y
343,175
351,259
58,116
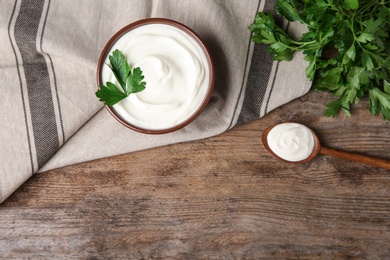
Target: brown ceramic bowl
x,y
183,28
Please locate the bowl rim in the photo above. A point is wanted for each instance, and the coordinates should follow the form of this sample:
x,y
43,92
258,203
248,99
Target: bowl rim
x,y
188,31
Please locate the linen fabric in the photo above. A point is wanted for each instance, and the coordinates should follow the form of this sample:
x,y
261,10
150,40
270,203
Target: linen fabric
x,y
49,114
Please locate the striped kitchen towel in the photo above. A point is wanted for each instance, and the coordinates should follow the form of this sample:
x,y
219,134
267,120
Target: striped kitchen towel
x,y
49,51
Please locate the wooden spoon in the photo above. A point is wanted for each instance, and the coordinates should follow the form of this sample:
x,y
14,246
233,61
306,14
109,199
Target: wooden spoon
x,y
383,163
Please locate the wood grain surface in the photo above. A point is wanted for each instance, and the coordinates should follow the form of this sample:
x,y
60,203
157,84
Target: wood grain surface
x,y
224,197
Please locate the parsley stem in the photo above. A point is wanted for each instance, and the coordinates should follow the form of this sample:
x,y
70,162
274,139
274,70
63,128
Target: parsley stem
x,y
353,31
300,45
367,6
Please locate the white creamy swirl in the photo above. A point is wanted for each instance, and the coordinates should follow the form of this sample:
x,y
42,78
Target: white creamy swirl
x,y
176,75
290,141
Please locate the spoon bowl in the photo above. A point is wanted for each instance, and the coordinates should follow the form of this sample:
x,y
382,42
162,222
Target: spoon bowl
x,y
317,148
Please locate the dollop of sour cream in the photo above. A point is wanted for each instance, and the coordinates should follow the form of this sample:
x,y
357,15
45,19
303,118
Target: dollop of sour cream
x,y
176,73
291,141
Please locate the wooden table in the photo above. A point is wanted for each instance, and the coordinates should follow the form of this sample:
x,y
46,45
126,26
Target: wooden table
x,y
220,198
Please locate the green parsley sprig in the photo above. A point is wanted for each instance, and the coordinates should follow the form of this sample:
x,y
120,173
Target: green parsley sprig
x,y
130,81
359,32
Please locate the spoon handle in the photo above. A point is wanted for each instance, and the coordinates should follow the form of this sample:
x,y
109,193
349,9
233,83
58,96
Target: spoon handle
x,y
383,163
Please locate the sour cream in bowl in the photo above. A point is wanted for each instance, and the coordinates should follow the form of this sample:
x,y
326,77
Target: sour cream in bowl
x,y
178,72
